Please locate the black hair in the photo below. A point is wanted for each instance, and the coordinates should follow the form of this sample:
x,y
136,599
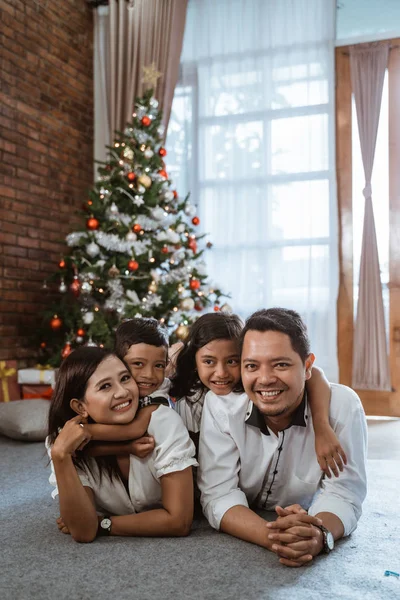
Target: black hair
x,y
283,320
209,327
72,381
143,330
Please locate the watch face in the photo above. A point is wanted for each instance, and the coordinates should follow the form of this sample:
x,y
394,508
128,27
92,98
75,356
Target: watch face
x,y
105,524
330,542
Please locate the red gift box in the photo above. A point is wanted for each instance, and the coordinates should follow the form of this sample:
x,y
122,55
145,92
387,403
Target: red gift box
x,y
30,392
9,388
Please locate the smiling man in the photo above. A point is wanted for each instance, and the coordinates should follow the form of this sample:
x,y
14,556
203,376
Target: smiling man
x,y
257,448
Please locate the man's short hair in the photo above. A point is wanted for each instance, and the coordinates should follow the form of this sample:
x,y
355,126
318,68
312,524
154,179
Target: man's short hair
x,y
283,320
141,330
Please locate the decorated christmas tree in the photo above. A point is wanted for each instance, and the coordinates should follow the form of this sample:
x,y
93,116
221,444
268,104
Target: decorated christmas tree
x,y
138,254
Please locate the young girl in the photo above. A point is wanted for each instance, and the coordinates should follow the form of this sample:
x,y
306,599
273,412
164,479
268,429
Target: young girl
x,y
94,385
209,360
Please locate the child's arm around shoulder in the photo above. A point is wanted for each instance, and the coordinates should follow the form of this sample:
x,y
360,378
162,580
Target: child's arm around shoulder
x,y
330,454
120,433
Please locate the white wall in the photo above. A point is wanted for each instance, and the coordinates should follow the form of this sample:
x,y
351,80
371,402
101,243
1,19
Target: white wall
x,y
367,20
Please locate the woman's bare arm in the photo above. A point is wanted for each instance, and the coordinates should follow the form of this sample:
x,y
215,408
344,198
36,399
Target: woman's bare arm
x,y
174,519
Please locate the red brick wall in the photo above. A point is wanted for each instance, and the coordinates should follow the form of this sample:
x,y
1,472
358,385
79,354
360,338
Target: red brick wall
x,y
46,151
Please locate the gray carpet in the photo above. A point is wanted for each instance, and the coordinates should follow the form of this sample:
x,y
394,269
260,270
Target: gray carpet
x,y
39,563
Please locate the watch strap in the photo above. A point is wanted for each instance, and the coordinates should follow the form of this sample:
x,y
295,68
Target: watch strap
x,y
325,533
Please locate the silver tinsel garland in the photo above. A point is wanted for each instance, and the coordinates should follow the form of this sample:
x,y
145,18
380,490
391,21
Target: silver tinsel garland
x,y
113,243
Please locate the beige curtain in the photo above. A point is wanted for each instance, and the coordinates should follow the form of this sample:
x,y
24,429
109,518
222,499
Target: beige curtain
x,y
370,358
130,35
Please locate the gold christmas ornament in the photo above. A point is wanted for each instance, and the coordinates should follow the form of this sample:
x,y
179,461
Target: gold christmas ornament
x,y
187,304
113,271
182,332
128,153
145,181
153,287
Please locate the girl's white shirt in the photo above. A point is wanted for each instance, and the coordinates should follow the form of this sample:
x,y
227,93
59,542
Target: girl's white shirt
x,y
174,451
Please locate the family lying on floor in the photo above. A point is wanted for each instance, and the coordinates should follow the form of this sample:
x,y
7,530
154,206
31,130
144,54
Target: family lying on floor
x,y
262,425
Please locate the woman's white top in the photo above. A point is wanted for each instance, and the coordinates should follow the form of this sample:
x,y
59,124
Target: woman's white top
x,y
190,411
174,451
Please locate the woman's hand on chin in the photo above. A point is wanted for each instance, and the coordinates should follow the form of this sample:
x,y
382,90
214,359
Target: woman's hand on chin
x,y
73,436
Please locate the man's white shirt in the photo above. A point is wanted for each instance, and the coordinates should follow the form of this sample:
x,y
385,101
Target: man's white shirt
x,y
242,462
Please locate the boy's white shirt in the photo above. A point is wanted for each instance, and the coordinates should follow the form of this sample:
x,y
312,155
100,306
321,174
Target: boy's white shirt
x,y
174,451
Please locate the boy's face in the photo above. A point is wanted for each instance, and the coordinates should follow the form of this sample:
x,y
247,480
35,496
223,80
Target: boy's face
x,y
147,364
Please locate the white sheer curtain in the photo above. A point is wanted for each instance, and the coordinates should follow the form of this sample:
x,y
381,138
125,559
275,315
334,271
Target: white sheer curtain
x,y
251,136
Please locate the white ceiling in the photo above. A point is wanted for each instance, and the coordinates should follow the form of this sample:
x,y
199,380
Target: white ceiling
x,y
367,20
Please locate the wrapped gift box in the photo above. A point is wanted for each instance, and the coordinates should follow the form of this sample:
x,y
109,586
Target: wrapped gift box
x,y
9,388
31,392
37,376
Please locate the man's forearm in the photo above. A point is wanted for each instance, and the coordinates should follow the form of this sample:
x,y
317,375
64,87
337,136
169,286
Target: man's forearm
x,y
243,523
332,523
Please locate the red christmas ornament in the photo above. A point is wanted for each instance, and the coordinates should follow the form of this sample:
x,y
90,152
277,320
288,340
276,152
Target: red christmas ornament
x,y
198,307
195,220
89,202
61,264
66,350
164,250
193,245
194,284
133,265
146,121
80,332
175,194
75,286
43,345
131,176
162,152
163,173
92,224
56,323
216,308
137,228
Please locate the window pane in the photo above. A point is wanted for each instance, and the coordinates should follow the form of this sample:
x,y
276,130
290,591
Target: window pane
x,y
299,144
180,139
305,93
300,210
231,150
230,219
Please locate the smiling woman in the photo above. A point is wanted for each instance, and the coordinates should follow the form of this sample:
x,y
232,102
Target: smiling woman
x,y
95,386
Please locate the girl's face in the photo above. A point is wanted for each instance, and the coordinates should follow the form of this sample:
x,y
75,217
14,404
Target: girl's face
x,y
218,366
112,395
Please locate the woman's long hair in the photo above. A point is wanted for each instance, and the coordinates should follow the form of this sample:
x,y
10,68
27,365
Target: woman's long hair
x,y
209,327
72,381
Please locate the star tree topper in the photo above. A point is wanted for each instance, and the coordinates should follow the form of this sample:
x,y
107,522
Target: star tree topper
x,y
150,75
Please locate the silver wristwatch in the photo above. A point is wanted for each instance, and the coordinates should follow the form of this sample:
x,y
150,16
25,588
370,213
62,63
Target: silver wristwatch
x,y
328,539
104,526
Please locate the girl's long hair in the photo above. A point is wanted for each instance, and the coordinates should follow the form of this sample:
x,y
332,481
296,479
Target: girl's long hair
x,y
72,381
209,327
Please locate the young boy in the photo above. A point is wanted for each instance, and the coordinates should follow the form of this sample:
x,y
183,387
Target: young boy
x,y
143,345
